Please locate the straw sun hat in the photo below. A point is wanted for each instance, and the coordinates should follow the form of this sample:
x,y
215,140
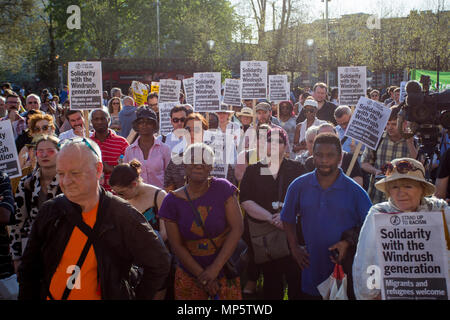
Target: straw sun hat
x,y
405,168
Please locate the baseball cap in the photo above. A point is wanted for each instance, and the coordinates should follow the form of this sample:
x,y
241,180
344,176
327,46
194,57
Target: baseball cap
x,y
263,106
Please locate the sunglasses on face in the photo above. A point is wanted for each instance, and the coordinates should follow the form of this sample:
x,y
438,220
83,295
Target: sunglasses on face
x,y
310,110
49,152
153,105
41,129
115,103
402,167
33,102
374,95
176,120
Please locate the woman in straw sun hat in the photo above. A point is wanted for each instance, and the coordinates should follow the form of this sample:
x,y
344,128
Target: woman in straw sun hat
x,y
407,190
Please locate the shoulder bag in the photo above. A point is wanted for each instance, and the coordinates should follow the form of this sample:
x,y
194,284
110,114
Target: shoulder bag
x,y
269,242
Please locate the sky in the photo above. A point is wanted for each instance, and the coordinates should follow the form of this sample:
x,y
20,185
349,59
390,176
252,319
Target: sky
x,y
336,8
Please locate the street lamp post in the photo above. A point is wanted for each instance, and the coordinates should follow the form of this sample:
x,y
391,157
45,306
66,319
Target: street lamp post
x,y
310,44
211,44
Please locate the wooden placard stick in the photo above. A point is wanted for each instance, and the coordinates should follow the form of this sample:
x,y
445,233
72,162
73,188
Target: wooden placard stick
x,y
355,156
86,122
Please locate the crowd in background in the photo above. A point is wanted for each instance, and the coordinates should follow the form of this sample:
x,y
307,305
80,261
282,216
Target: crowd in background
x,y
298,219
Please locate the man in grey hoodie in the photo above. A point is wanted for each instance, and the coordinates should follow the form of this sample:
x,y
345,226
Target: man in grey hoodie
x,y
126,116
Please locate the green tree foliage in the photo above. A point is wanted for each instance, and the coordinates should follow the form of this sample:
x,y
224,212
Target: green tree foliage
x,y
21,35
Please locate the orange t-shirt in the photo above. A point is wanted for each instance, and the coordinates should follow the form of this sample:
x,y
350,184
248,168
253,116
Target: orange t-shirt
x,y
85,286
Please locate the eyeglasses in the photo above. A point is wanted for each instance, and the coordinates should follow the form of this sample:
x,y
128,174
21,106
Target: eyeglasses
x,y
176,120
310,110
402,167
49,152
41,129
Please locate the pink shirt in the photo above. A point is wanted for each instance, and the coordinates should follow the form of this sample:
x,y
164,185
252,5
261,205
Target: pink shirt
x,y
157,161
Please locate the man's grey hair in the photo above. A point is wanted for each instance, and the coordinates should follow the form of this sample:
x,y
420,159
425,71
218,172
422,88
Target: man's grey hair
x,y
87,144
342,110
311,131
34,96
114,90
326,125
128,98
105,112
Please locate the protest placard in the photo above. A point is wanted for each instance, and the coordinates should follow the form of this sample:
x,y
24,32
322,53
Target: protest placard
x,y
85,85
253,79
368,122
169,90
412,255
188,85
288,91
165,126
9,160
140,92
352,84
402,91
207,92
154,87
232,92
278,87
222,145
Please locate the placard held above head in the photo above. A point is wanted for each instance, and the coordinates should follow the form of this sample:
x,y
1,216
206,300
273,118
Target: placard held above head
x,y
368,122
352,84
207,91
85,85
253,80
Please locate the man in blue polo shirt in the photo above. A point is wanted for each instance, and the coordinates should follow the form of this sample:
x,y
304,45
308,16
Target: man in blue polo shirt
x,y
331,208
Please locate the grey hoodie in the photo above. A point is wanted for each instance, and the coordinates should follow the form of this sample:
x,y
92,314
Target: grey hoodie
x,y
126,117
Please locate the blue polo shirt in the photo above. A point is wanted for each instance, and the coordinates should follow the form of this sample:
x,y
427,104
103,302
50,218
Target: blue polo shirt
x,y
325,215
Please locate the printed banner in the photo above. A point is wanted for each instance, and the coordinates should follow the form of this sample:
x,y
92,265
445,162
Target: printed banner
x,y
140,92
169,90
352,84
412,253
253,79
188,85
207,92
368,122
85,85
232,92
444,78
402,91
165,126
9,159
154,87
278,88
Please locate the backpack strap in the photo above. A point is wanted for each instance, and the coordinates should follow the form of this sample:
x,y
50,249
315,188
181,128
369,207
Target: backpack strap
x,y
155,201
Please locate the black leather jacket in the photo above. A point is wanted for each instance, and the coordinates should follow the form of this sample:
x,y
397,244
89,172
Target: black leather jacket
x,y
123,238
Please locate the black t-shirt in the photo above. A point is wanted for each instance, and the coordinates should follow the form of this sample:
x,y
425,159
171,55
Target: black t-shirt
x,y
346,159
444,169
326,113
263,189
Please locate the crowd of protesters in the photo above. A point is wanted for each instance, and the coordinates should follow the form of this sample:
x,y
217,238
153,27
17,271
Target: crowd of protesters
x,y
110,208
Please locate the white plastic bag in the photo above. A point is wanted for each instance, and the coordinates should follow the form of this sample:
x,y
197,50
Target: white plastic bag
x,y
335,286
